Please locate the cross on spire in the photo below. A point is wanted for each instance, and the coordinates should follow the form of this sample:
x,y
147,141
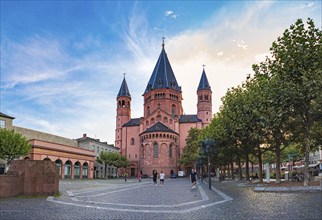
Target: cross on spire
x,y
203,65
163,42
124,74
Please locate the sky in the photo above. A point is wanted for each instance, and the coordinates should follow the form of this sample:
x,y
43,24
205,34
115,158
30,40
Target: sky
x,y
63,62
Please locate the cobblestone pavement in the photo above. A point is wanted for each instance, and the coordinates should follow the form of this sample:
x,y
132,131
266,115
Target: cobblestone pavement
x,y
116,199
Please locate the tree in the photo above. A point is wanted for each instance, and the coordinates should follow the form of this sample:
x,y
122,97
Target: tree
x,y
107,158
12,145
113,159
296,69
190,151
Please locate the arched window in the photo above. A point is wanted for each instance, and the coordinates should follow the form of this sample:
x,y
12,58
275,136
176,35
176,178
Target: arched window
x,y
132,141
123,103
59,165
173,109
206,97
165,120
119,103
85,170
170,151
68,169
155,150
152,121
77,170
159,118
148,110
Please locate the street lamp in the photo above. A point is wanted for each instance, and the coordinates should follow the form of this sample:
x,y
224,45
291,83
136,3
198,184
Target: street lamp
x,y
199,165
207,145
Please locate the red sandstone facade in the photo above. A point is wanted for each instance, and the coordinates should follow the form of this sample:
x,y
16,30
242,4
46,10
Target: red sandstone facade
x,y
72,162
156,140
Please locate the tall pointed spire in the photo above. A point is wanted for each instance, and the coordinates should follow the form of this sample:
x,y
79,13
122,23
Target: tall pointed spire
x,y
162,75
124,90
204,84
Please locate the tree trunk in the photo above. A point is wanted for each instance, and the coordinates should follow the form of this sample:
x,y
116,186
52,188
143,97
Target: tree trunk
x,y
247,166
239,168
260,165
307,162
278,160
105,171
307,146
232,170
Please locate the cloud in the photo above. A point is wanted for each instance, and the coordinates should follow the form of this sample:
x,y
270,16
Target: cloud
x,y
34,60
68,94
240,43
170,14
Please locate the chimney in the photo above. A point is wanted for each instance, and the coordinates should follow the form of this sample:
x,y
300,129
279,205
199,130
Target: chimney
x,y
84,135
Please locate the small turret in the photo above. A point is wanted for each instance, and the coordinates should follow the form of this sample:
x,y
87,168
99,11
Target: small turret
x,y
204,106
123,110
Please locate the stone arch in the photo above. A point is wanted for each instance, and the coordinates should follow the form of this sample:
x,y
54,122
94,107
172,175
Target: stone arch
x,y
155,150
77,166
59,164
85,170
165,120
171,150
68,169
173,109
47,158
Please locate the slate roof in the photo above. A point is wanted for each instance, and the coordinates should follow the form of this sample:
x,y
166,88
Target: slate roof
x,y
159,127
6,116
204,84
132,122
162,75
189,118
124,90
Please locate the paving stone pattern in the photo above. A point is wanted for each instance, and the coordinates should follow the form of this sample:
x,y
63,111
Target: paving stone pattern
x,y
116,199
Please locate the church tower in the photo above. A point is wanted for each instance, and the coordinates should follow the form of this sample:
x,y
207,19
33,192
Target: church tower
x,y
163,94
204,106
123,112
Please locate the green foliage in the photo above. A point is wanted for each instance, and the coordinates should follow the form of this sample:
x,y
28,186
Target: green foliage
x,y
280,107
190,151
12,145
112,159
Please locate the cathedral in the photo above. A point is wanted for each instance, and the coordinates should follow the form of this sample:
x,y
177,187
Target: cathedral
x,y
156,140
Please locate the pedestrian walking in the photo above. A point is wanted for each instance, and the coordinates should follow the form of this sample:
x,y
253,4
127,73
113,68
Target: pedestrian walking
x,y
125,176
162,175
155,176
193,178
139,177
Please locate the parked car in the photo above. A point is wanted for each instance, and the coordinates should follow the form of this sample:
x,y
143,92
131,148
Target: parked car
x,y
173,175
181,173
144,176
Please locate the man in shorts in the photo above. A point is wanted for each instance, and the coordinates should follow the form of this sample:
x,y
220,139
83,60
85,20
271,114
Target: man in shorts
x,y
162,175
193,178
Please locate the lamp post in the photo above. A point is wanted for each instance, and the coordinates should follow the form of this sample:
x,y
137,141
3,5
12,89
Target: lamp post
x,y
207,144
199,165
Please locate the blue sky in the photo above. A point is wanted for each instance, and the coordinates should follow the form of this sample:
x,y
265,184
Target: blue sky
x,y
62,62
